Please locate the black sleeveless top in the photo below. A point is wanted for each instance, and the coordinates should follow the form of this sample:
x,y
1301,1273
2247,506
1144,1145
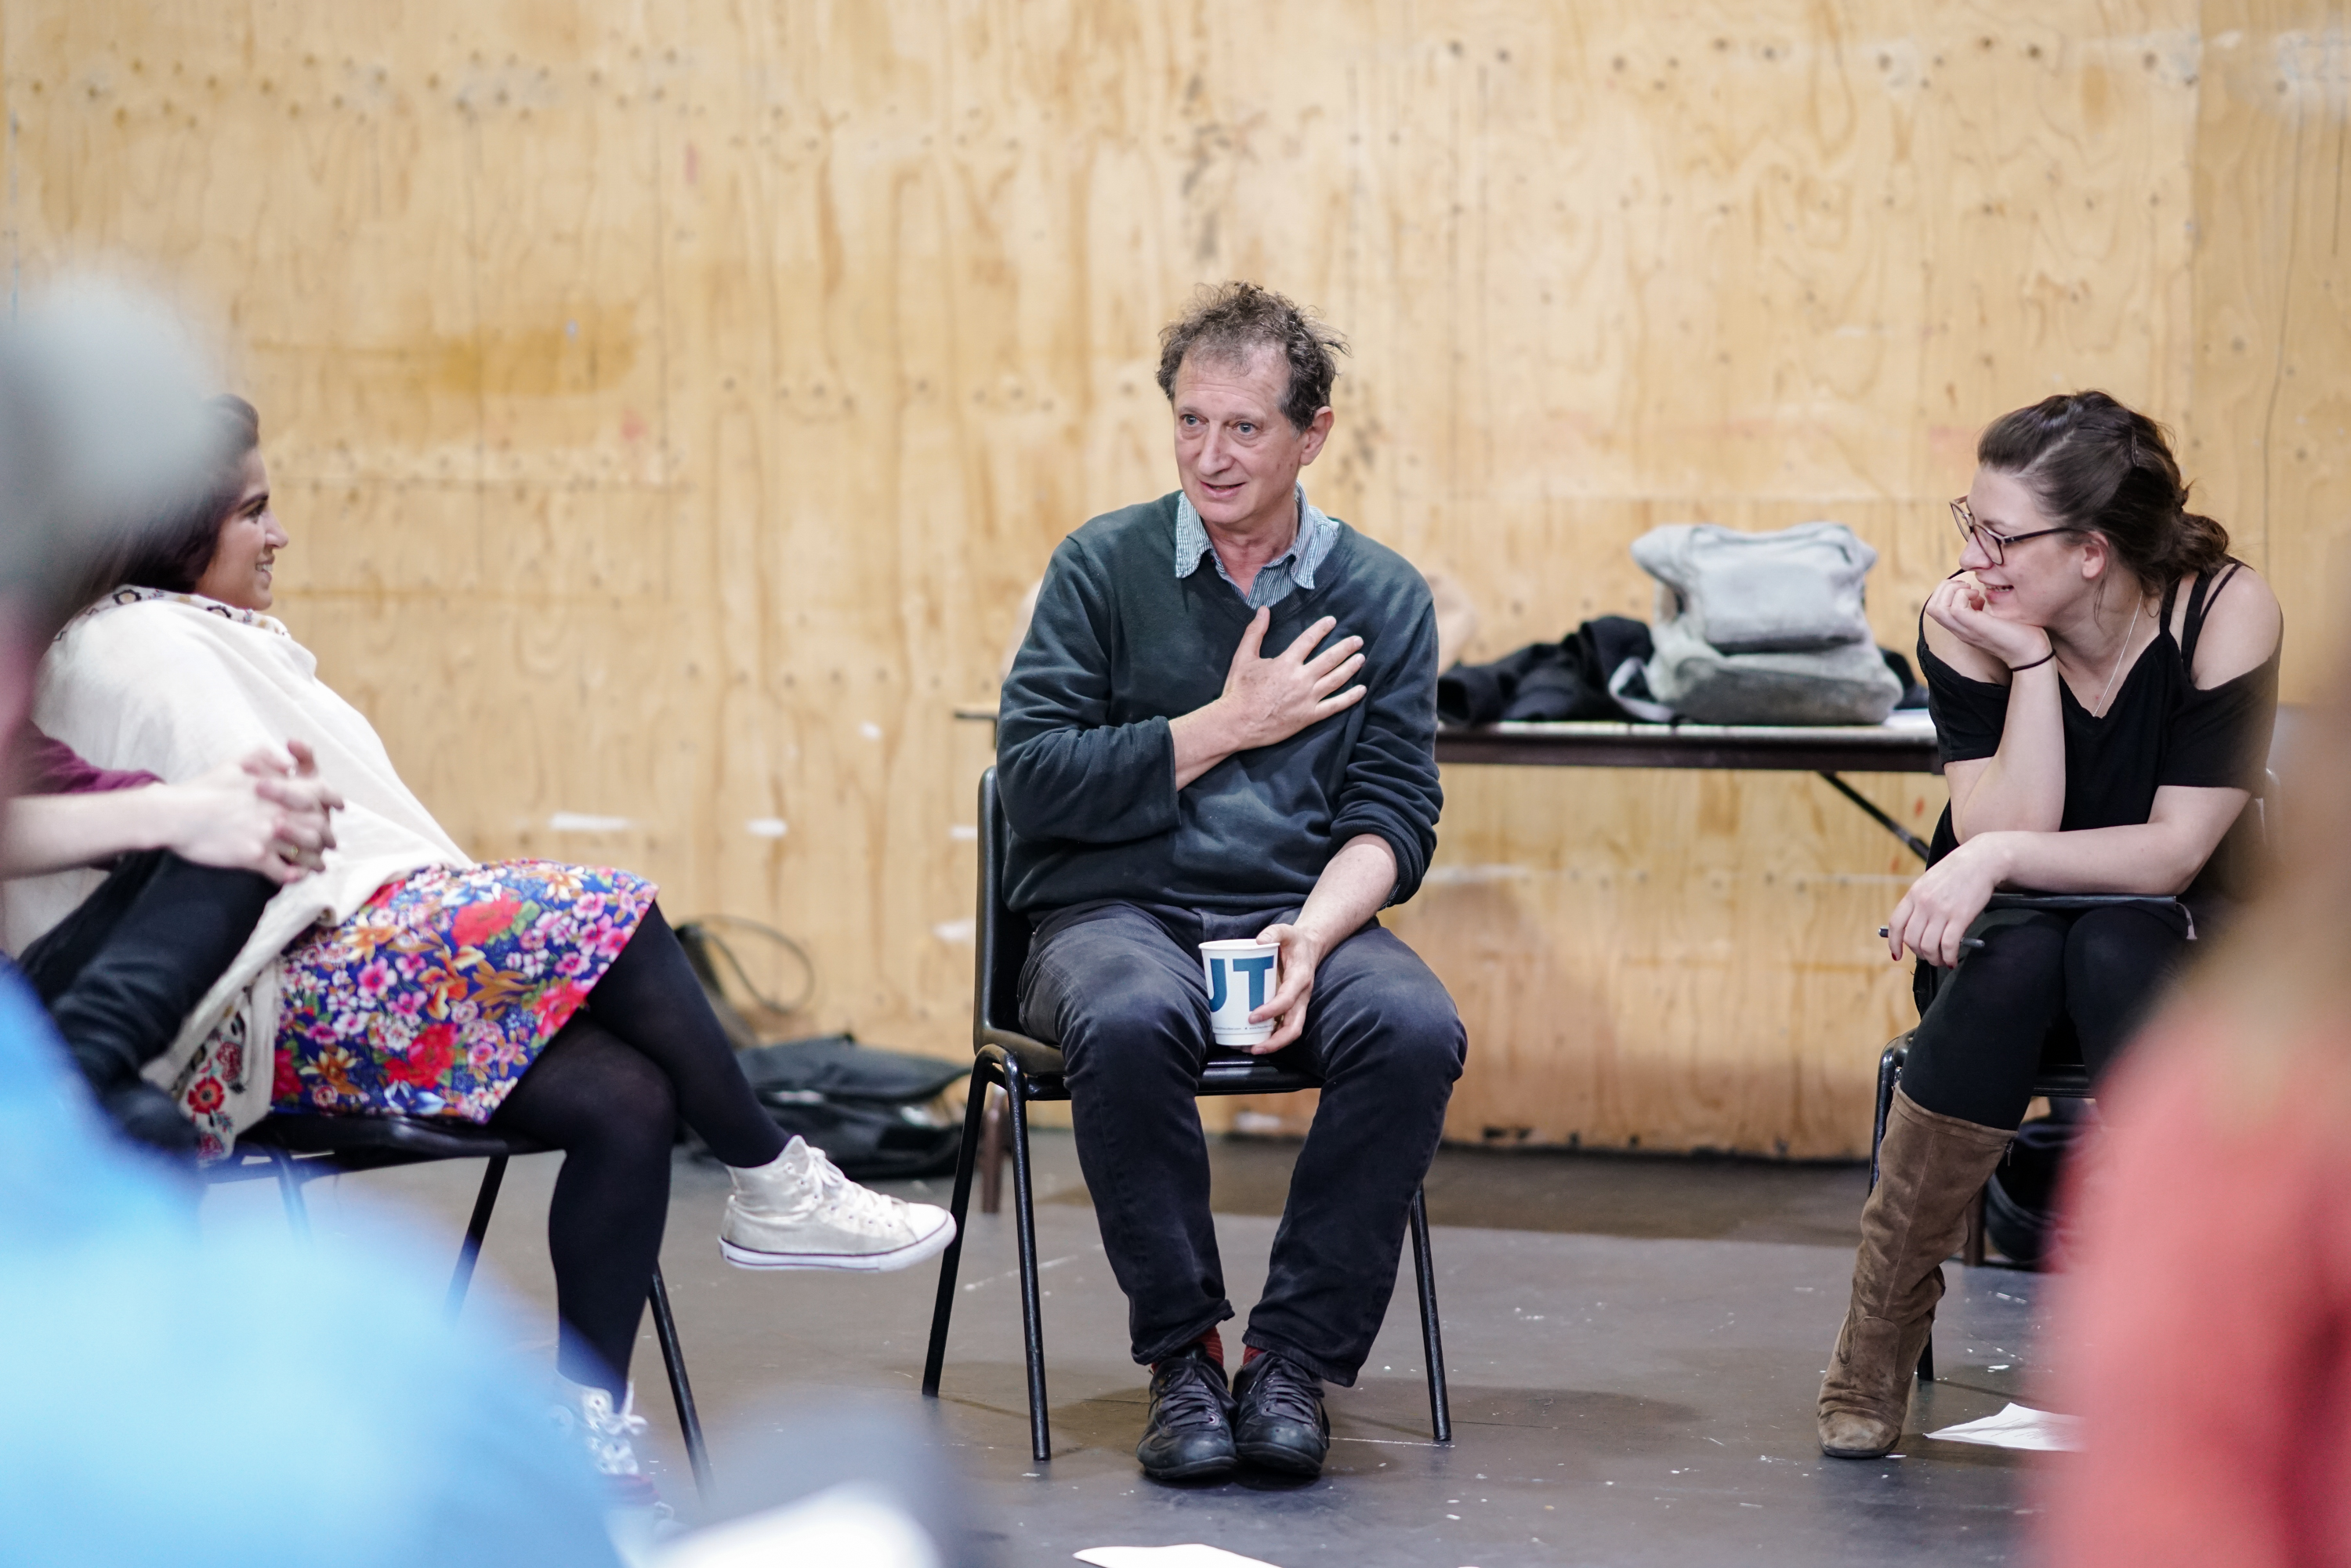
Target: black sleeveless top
x,y
2159,730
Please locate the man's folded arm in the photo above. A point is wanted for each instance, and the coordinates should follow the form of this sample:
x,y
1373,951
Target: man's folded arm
x,y
1065,772
1391,785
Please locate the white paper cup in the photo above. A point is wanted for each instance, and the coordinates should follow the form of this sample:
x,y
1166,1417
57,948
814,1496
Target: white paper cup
x,y
1242,974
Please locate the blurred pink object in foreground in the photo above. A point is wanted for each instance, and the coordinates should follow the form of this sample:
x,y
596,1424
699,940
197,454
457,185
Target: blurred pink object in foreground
x,y
2203,1332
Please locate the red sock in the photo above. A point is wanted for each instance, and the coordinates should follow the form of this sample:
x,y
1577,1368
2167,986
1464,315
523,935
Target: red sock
x,y
1248,1354
1213,1341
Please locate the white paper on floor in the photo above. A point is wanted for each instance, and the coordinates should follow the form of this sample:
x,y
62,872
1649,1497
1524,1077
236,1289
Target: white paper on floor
x,y
2018,1427
1193,1556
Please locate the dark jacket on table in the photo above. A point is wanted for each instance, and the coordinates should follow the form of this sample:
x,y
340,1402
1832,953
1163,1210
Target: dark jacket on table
x,y
1120,646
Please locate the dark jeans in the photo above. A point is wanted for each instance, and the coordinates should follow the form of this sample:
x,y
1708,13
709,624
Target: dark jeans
x,y
1119,987
122,972
1979,1041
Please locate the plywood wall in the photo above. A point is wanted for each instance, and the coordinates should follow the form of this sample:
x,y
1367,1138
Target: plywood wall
x,y
2269,426
671,404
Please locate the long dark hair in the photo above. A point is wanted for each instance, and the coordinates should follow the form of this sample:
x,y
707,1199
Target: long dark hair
x,y
2097,465
172,550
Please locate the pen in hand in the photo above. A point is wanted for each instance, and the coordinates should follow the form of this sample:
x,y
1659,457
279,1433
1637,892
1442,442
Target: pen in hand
x,y
1964,941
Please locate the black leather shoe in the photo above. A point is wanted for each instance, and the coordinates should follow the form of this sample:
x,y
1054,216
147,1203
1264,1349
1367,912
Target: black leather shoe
x,y
1189,1435
1281,1423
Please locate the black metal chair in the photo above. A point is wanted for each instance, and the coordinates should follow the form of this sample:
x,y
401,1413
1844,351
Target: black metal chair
x,y
1029,1071
296,1150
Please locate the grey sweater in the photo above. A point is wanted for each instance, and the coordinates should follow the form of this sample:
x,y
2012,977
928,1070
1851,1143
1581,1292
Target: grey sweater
x,y
1120,646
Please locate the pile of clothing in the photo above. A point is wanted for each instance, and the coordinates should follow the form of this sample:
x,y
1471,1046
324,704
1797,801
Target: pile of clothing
x,y
1750,629
1547,681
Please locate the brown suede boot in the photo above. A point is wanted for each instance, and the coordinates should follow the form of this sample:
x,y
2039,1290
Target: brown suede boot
x,y
1929,1169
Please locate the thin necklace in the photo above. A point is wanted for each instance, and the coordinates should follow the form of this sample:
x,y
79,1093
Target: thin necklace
x,y
2124,653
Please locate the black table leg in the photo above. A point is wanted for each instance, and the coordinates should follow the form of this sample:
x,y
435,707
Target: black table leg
x,y
1916,845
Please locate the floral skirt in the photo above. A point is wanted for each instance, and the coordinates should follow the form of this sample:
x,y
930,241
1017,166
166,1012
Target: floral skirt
x,y
434,997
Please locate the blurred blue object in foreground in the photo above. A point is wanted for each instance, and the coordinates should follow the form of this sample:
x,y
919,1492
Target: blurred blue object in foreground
x,y
236,1398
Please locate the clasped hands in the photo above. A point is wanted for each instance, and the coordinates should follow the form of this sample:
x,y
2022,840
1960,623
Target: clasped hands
x,y
268,813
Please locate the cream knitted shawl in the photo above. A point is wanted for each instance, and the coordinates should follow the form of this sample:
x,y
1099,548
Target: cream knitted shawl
x,y
174,684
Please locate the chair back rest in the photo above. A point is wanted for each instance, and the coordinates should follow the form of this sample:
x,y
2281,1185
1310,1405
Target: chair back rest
x,y
2289,743
1001,936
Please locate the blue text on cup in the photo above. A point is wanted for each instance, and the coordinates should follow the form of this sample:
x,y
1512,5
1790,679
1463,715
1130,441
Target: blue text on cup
x,y
1254,968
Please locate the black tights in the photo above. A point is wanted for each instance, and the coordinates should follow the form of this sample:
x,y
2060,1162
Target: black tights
x,y
1976,1049
608,1091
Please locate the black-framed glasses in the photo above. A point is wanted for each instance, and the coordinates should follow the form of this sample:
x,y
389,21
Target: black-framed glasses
x,y
1991,544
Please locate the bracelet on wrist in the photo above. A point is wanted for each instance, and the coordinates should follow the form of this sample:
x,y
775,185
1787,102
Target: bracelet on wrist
x,y
2020,669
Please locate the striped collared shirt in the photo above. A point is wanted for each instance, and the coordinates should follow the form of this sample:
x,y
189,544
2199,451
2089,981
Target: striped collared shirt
x,y
1293,567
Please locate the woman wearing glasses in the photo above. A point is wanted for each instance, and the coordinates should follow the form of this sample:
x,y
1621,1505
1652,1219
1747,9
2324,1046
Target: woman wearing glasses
x,y
2102,676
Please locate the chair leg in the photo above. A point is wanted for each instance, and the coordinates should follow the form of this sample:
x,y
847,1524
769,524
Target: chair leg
x,y
991,1155
674,1359
470,1252
1431,1343
975,1111
1024,1218
1971,1245
289,1192
1889,1074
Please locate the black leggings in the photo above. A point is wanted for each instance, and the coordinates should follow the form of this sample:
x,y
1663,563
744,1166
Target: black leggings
x,y
1977,1047
608,1091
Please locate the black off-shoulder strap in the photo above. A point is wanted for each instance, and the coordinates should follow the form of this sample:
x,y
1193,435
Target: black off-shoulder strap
x,y
2200,604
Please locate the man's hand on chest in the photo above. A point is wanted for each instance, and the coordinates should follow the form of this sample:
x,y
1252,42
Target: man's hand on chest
x,y
1266,701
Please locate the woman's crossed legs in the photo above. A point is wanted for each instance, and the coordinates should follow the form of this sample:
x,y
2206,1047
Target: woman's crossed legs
x,y
608,1091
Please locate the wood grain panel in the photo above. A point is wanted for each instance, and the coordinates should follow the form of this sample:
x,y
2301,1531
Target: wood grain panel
x,y
2270,437
672,405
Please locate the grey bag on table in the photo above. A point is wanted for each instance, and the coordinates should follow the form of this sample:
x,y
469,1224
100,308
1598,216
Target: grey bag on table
x,y
1764,628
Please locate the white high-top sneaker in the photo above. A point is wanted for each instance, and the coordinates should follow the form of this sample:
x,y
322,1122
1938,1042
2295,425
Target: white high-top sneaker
x,y
586,1412
798,1211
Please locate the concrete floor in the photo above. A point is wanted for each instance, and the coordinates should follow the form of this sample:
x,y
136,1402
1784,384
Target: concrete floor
x,y
1633,1345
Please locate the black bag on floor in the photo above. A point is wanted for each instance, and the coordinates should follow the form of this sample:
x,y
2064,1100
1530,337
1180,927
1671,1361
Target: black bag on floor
x,y
873,1111
875,1114
706,951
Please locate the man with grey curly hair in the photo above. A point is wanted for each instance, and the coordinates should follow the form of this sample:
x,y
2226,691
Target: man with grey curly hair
x,y
1168,782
